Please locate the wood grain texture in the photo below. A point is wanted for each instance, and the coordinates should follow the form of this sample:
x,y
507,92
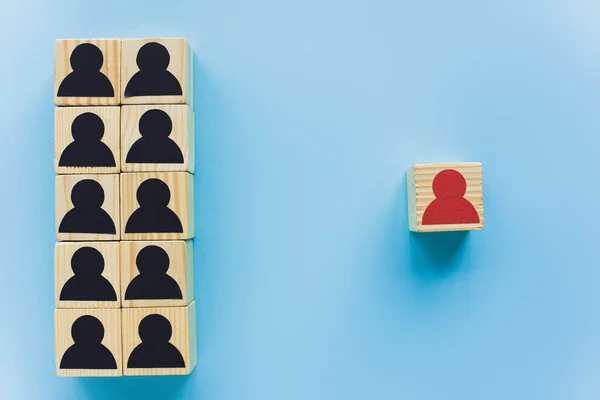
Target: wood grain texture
x,y
183,323
180,65
182,117
181,185
64,117
420,194
63,187
111,67
63,252
111,320
181,268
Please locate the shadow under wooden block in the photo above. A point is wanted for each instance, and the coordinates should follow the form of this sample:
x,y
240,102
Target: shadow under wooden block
x,y
86,275
88,342
87,207
445,197
156,71
157,138
87,72
159,341
157,273
157,206
87,140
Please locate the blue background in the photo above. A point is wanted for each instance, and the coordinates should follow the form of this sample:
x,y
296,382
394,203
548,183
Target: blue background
x,y
309,285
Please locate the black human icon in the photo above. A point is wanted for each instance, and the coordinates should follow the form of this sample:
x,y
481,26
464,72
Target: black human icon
x,y
87,216
153,215
88,283
155,145
87,149
152,282
153,78
86,79
155,351
87,352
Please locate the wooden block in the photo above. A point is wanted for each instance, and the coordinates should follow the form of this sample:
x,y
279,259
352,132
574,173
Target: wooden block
x,y
87,72
87,275
157,206
157,71
159,341
445,197
88,342
87,207
157,273
168,138
87,140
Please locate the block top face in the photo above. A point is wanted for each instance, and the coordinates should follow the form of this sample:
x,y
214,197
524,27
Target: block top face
x,y
87,207
87,140
446,197
88,342
87,275
157,138
156,71
159,341
157,206
87,72
157,273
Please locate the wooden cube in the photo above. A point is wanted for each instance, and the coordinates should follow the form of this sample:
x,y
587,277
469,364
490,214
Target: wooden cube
x,y
159,341
86,275
157,138
87,207
445,197
156,71
87,140
87,72
157,273
157,206
88,342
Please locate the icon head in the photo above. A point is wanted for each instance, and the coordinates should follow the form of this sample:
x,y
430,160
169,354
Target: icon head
x,y
87,330
449,184
87,262
87,127
153,193
152,260
86,57
153,57
155,124
87,193
155,328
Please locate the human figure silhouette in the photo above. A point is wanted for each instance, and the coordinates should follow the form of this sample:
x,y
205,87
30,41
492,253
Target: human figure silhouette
x,y
88,283
449,206
86,80
87,150
152,282
155,145
153,79
87,216
155,351
153,196
87,352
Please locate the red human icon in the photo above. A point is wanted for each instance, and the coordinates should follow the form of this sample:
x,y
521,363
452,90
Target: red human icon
x,y
450,206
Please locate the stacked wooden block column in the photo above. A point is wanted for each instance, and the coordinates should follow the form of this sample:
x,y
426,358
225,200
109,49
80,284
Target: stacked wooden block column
x,y
124,158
